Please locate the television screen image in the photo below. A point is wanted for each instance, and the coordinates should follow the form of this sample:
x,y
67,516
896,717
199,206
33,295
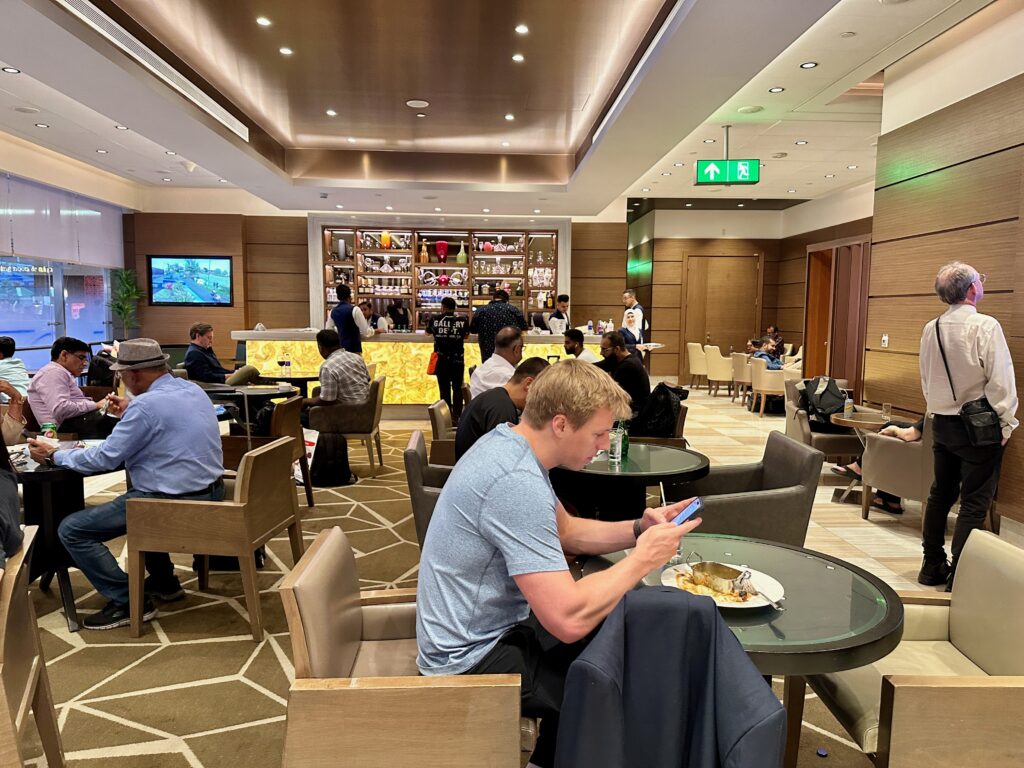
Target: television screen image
x,y
190,280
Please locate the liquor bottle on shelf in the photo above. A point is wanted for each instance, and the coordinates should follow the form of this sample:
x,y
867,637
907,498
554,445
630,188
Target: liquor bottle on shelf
x,y
519,288
549,303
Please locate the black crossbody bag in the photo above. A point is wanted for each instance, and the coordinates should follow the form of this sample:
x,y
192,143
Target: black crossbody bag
x,y
978,416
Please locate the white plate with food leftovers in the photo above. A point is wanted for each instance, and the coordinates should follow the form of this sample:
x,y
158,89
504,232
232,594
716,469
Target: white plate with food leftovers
x,y
729,585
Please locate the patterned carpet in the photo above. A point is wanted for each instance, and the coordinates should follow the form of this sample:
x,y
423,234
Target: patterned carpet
x,y
196,691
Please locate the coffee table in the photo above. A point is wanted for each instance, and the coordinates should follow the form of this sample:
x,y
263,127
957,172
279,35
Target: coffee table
x,y
861,421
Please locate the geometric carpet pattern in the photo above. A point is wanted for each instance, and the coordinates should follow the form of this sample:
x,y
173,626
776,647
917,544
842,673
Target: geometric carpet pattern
x,y
196,691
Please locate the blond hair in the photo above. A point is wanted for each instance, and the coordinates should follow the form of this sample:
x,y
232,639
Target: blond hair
x,y
576,390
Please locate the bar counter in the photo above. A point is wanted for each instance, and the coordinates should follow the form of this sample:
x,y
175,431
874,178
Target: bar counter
x,y
402,357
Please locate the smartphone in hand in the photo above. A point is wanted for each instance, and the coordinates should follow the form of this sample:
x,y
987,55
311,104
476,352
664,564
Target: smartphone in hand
x,y
689,511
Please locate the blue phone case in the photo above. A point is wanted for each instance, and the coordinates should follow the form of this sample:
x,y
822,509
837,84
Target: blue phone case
x,y
691,509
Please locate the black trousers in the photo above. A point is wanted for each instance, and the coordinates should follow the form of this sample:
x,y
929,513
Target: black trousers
x,y
449,383
89,426
963,470
542,661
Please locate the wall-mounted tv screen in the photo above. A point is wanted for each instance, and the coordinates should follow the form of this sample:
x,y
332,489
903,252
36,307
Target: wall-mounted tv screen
x,y
190,280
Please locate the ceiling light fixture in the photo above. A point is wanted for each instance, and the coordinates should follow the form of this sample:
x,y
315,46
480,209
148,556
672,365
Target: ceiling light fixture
x,y
847,34
709,141
166,179
170,152
509,116
339,206
522,29
830,175
437,210
750,109
518,58
791,191
506,144
121,127
801,142
101,152
646,189
223,181
351,140
689,205
851,167
417,103
776,89
42,125
389,208
536,210
421,114
331,113
12,70
666,173
487,210
263,21
532,220
678,165
286,51
809,65
739,205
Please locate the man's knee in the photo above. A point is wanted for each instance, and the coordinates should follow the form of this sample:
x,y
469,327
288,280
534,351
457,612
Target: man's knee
x,y
68,530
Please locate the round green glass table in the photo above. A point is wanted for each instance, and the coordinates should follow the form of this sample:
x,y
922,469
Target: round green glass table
x,y
619,491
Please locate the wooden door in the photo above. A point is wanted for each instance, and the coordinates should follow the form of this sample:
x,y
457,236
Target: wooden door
x,y
849,313
721,300
818,320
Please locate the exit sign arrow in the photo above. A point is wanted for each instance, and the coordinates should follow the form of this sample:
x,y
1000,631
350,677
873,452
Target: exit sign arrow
x,y
728,172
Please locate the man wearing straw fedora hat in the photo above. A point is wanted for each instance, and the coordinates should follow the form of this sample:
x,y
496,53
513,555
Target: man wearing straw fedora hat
x,y
168,441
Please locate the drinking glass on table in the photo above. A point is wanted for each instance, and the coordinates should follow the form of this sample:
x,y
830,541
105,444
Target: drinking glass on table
x,y
282,362
887,412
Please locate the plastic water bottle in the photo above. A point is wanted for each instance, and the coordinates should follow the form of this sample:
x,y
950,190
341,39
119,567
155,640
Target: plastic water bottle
x,y
848,408
590,327
615,445
287,365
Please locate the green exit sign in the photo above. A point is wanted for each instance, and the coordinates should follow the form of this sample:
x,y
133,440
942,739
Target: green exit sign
x,y
728,172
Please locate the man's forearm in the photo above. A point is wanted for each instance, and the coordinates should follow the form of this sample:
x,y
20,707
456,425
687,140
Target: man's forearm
x,y
69,409
595,537
598,593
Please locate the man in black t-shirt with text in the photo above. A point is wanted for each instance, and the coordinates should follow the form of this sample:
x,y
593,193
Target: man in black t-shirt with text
x,y
449,331
626,368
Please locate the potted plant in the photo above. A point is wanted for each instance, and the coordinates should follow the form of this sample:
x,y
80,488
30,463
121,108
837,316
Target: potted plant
x,y
124,298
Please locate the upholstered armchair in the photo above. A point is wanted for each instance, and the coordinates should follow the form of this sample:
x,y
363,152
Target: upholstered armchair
x,y
356,421
834,446
425,483
740,375
764,382
903,469
719,369
698,363
441,421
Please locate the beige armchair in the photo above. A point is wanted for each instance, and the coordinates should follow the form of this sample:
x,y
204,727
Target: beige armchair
x,y
836,447
356,421
904,469
740,375
24,682
719,369
263,505
764,382
358,697
698,363
952,692
440,421
425,483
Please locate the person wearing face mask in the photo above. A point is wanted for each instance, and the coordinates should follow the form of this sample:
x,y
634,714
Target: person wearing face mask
x,y
55,398
168,440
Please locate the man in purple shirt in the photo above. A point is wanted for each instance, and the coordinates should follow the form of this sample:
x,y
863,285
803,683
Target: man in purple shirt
x,y
55,398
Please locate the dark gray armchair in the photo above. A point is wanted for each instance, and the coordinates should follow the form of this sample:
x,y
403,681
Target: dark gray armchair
x,y
834,446
769,500
425,483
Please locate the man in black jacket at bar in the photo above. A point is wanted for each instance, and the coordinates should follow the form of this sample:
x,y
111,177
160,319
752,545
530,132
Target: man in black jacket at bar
x,y
202,364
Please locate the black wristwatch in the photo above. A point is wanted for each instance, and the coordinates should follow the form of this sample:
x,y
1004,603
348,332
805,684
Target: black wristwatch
x,y
49,460
637,530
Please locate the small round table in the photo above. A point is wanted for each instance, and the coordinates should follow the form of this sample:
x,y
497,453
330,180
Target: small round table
x,y
861,421
619,491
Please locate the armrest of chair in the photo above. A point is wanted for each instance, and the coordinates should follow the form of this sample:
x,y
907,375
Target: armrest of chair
x,y
925,615
168,518
387,596
442,453
436,475
341,418
736,478
925,719
797,425
396,621
461,721
778,514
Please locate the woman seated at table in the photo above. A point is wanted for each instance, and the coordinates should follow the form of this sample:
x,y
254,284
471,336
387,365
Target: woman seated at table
x,y
13,419
886,502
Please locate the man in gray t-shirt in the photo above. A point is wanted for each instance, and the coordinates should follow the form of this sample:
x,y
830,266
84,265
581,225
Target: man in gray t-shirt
x,y
495,552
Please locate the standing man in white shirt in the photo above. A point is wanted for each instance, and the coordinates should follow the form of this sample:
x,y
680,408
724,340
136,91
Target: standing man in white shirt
x,y
499,367
632,305
979,366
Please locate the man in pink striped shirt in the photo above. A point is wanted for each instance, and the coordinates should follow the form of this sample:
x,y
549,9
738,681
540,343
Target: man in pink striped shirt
x,y
54,396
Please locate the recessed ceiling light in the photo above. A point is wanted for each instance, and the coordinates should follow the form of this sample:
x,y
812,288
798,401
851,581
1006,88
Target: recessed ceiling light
x,y
739,205
809,65
421,114
763,165
351,140
417,103
800,143
851,167
509,116
678,165
847,34
532,220
223,181
487,210
389,208
12,70
170,152
646,189
830,175
286,51
165,179
506,144
689,205
437,210
709,141
339,205
121,127
536,210
42,125
776,89
101,152
518,58
522,29
331,113
750,109
263,21
666,173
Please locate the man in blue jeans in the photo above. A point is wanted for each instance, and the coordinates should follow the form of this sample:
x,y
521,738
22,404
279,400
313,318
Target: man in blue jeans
x,y
168,441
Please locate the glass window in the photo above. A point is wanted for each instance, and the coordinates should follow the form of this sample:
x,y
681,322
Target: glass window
x,y
85,303
28,313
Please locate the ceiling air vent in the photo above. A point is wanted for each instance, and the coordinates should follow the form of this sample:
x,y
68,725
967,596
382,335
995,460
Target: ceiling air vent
x,y
117,35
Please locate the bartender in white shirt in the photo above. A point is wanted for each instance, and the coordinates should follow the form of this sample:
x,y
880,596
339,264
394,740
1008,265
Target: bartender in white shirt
x,y
979,367
632,305
499,367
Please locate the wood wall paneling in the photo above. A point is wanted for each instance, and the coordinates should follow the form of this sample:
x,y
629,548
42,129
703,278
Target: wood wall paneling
x,y
981,191
664,364
598,271
793,270
278,287
599,237
893,378
278,230
597,291
610,264
279,314
670,272
790,295
665,295
288,258
903,318
665,318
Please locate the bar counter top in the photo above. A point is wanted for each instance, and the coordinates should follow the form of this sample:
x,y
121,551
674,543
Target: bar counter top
x,y
401,357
